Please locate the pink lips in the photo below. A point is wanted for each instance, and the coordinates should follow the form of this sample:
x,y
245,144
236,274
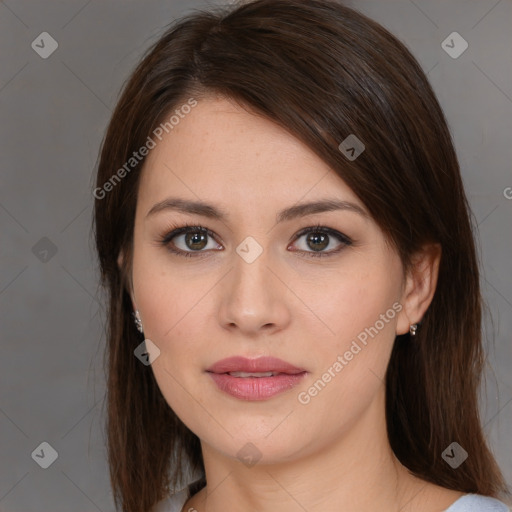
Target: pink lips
x,y
284,376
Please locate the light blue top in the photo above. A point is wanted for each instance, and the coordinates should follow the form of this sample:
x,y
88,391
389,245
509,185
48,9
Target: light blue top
x,y
466,503
477,503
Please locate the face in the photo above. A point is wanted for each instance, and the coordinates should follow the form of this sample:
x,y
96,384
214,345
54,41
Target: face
x,y
319,289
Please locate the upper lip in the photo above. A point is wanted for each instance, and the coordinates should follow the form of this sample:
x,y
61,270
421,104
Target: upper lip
x,y
260,364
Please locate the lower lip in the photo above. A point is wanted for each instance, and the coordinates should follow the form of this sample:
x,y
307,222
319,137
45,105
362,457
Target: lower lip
x,y
256,388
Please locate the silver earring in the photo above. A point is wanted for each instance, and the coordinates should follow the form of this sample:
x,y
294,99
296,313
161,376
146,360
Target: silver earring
x,y
138,321
412,329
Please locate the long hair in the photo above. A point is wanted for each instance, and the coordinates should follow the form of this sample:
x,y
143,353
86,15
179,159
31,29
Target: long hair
x,y
322,71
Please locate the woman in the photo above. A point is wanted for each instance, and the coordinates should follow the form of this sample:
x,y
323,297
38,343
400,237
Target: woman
x,y
294,315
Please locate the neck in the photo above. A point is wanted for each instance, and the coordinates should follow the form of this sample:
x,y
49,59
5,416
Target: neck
x,y
357,470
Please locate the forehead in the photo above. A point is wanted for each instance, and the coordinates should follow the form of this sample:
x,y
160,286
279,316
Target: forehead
x,y
221,150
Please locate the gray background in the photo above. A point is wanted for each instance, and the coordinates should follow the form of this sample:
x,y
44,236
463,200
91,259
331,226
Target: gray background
x,y
54,112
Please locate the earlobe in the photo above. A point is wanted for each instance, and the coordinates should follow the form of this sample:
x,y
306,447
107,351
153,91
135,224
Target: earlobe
x,y
420,286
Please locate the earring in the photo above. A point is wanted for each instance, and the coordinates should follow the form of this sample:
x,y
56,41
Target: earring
x,y
138,321
412,329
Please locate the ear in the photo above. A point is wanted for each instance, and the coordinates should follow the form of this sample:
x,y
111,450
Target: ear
x,y
120,264
419,287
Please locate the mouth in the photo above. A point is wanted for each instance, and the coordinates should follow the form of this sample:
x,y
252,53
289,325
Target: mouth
x,y
245,375
255,379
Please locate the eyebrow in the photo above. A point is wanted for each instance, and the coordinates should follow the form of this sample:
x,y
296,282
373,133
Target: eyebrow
x,y
213,212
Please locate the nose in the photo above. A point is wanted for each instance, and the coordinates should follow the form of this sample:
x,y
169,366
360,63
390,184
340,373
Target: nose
x,y
253,298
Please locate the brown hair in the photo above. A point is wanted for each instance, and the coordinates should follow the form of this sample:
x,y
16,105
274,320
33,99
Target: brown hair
x,y
322,71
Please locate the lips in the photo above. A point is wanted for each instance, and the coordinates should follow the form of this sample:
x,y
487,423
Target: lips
x,y
258,365
255,379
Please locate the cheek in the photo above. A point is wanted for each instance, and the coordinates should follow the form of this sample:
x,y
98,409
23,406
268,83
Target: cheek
x,y
169,302
344,306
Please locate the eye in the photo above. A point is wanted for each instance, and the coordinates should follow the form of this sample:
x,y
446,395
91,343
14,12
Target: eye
x,y
319,238
189,240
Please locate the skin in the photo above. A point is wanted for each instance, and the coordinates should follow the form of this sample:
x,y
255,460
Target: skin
x,y
305,310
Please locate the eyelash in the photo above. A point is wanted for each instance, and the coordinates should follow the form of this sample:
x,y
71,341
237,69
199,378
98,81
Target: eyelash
x,y
176,230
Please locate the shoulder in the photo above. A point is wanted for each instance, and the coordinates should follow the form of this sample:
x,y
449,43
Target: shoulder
x,y
173,503
477,503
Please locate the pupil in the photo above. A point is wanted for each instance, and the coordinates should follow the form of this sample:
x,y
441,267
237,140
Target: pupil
x,y
319,237
194,239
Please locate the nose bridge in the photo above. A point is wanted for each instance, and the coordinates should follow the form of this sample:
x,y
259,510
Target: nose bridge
x,y
252,296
